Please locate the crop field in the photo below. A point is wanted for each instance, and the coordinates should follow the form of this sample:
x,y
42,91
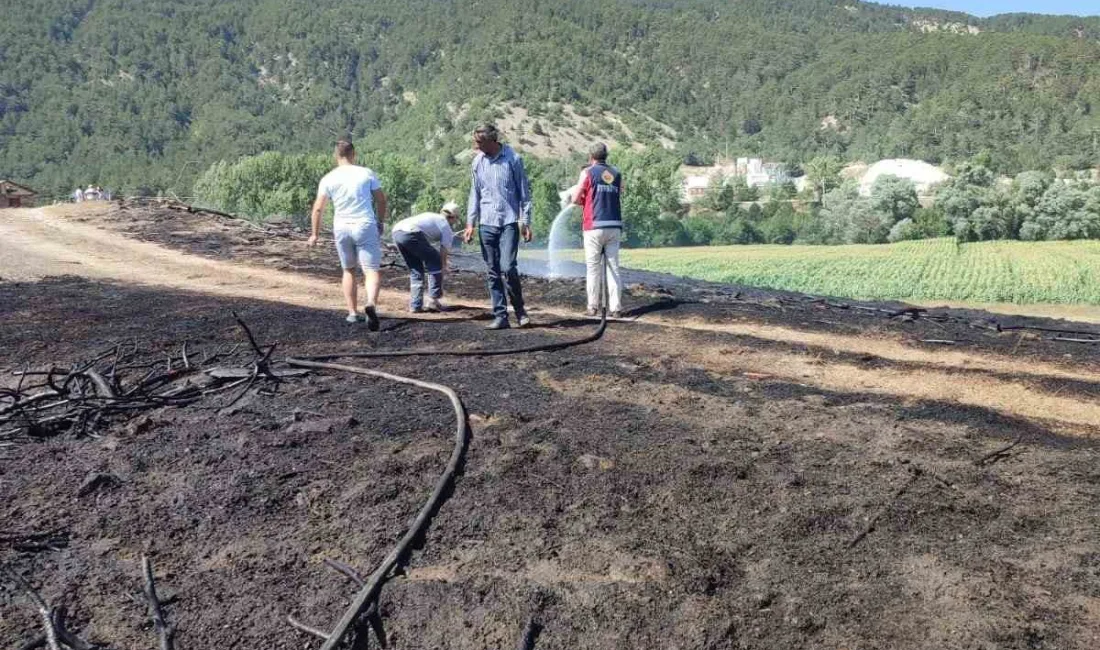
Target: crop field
x,y
937,269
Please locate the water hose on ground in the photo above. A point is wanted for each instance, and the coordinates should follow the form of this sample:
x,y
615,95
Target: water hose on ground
x,y
545,347
370,592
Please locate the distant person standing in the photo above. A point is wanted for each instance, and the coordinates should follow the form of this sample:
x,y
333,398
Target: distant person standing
x,y
599,192
360,213
424,241
78,195
500,207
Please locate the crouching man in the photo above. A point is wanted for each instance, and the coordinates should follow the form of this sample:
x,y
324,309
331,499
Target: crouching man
x,y
424,241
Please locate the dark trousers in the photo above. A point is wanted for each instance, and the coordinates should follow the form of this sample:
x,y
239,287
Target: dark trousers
x,y
421,257
499,246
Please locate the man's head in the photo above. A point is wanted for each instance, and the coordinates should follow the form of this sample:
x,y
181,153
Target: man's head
x,y
345,152
450,211
597,153
487,139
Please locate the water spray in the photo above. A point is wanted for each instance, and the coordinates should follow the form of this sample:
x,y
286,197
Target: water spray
x,y
559,242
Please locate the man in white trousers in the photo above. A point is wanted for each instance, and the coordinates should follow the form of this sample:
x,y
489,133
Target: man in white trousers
x,y
599,193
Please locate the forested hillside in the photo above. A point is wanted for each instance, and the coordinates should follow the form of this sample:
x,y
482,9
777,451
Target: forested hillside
x,y
143,95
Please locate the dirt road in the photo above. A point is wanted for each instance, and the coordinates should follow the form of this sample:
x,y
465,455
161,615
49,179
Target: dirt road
x,y
36,243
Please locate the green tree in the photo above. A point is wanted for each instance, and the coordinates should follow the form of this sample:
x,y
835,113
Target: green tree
x,y
742,191
430,199
781,227
1064,212
848,218
894,197
720,195
699,229
652,200
823,174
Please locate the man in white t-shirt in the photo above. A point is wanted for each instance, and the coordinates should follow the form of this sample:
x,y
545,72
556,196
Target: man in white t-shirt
x,y
360,213
424,241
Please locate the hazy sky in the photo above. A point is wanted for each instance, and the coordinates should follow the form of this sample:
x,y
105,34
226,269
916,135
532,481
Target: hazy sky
x,y
990,7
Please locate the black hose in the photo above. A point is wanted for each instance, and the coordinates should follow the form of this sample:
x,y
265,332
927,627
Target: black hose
x,y
369,593
545,347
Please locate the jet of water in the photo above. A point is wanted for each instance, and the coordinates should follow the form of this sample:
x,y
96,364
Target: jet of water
x,y
559,242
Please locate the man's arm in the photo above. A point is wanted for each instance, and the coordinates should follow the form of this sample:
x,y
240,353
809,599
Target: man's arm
x,y
381,208
473,206
315,218
446,242
582,188
524,190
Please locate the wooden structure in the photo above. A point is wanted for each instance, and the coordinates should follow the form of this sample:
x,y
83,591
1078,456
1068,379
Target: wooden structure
x,y
14,195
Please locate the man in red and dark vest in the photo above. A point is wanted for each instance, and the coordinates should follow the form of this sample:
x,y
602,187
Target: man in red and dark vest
x,y
600,194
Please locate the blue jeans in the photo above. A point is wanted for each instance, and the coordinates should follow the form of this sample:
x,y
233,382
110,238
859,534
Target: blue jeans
x,y
421,257
499,246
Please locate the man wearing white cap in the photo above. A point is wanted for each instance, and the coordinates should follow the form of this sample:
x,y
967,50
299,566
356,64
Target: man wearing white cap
x,y
424,241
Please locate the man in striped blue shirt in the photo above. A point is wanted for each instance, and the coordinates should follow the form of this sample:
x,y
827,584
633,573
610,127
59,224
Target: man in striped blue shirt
x,y
500,207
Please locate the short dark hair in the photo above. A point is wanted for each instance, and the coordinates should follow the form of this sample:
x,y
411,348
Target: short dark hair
x,y
345,149
486,133
598,151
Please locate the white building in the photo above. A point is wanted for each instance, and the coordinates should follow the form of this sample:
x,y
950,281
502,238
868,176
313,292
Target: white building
x,y
695,186
756,172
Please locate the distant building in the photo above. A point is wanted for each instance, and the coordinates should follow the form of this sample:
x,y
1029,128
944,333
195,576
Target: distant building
x,y
770,174
749,166
14,195
695,186
756,172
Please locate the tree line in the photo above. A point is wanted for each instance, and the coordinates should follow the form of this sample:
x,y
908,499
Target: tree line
x,y
973,205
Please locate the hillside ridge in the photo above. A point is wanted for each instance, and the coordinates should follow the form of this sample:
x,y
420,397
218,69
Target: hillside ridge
x,y
142,97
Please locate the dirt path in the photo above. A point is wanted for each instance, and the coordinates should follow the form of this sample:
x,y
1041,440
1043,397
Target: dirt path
x,y
37,243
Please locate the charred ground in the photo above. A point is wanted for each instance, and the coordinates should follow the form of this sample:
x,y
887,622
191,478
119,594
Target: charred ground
x,y
655,489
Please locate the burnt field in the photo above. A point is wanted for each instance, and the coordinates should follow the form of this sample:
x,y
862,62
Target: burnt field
x,y
734,469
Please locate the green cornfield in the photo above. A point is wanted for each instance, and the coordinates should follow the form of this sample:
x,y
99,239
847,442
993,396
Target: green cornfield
x,y
1062,272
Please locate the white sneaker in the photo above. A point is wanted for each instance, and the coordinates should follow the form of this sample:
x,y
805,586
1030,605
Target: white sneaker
x,y
435,305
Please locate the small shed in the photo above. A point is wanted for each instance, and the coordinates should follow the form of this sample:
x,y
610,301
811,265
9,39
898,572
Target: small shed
x,y
14,195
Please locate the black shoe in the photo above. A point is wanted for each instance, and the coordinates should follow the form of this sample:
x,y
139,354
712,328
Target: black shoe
x,y
372,319
499,323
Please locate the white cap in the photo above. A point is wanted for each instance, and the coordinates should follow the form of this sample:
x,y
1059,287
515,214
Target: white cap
x,y
450,207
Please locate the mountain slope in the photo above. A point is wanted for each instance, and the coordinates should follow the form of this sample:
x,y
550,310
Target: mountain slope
x,y
144,94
